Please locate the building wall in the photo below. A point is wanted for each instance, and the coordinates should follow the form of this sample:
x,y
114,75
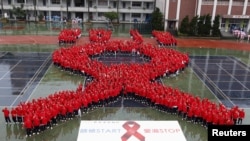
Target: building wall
x,y
206,9
172,9
188,8
237,10
221,10
229,10
248,9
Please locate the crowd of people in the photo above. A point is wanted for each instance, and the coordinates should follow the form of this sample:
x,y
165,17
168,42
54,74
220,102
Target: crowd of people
x,y
99,35
69,36
110,83
136,36
164,38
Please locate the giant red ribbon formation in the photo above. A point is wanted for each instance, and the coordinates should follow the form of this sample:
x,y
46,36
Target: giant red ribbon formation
x,y
109,81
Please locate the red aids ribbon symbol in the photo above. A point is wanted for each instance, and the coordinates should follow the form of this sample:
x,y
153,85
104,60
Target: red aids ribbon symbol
x,y
132,128
114,81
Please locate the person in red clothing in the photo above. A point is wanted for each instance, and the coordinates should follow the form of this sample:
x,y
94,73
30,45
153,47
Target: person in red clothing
x,y
14,115
70,111
19,114
44,122
36,123
6,113
235,114
28,126
241,116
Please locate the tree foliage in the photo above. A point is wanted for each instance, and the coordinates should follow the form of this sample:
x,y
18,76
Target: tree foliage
x,y
19,12
184,27
157,20
216,25
204,25
111,15
193,26
201,26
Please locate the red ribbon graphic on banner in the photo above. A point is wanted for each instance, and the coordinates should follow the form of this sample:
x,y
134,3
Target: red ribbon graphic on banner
x,y
132,128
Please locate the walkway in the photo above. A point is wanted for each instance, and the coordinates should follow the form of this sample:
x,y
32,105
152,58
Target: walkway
x,y
182,42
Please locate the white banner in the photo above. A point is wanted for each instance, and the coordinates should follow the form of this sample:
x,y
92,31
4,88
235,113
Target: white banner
x,y
91,130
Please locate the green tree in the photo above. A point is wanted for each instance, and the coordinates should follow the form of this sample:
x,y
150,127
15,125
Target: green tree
x,y
200,25
35,11
204,25
208,25
117,9
216,25
157,20
111,15
19,12
193,26
184,27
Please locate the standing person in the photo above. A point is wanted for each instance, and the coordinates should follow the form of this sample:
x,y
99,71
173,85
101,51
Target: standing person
x,y
28,126
6,113
19,111
241,116
36,123
14,115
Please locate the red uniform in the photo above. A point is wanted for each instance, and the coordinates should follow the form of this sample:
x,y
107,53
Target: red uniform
x,y
6,113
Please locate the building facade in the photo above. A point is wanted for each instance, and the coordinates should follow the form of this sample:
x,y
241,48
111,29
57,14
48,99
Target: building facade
x,y
234,14
93,10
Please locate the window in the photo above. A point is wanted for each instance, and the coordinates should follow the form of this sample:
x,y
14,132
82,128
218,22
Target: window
x,y
20,1
100,14
114,4
147,5
103,2
44,2
79,3
238,2
209,2
55,1
136,15
223,2
123,4
136,4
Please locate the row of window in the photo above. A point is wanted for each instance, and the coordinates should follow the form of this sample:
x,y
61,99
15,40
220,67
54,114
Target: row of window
x,y
44,1
227,0
133,15
224,2
100,2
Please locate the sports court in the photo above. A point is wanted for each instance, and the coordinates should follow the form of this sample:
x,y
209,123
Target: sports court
x,y
20,74
226,77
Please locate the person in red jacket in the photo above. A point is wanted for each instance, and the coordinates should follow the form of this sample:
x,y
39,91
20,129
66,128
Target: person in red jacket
x,y
241,116
19,114
13,115
36,124
6,113
28,126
